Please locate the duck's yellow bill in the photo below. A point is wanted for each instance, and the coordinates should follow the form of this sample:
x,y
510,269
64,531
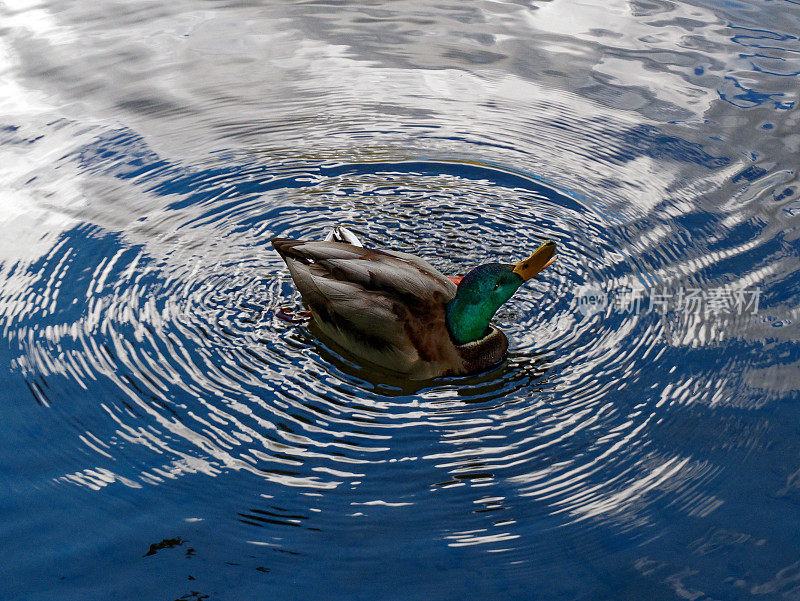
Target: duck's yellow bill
x,y
541,258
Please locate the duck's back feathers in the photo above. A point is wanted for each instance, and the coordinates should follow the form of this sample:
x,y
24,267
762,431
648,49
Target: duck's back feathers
x,y
399,274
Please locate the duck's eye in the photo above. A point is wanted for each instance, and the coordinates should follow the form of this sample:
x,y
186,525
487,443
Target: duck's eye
x,y
497,286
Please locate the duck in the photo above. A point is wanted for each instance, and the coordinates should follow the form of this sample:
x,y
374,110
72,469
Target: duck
x,y
397,311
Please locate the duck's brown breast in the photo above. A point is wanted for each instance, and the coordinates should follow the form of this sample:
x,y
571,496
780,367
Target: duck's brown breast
x,y
483,353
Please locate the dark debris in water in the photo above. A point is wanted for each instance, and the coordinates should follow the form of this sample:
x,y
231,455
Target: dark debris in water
x,y
193,596
167,543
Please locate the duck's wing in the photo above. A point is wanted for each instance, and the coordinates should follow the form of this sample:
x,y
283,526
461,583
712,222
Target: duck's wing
x,y
343,234
390,303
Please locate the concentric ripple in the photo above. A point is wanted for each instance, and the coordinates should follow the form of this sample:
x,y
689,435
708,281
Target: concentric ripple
x,y
175,336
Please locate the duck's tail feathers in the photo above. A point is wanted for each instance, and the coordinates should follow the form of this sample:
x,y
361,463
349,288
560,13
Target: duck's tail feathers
x,y
342,234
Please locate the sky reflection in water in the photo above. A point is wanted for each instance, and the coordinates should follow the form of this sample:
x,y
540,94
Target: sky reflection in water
x,y
167,435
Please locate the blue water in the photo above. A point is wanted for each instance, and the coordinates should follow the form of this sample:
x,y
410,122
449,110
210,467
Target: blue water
x,y
167,434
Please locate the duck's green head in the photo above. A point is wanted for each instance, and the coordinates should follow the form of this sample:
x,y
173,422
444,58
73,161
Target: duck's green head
x,y
484,289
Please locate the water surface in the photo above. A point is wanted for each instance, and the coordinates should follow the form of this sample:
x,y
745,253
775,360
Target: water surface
x,y
167,435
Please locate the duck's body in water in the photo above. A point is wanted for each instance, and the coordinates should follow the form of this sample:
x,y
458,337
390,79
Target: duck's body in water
x,y
398,311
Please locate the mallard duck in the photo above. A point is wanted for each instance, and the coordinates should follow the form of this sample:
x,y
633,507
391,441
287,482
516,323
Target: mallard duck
x,y
398,311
